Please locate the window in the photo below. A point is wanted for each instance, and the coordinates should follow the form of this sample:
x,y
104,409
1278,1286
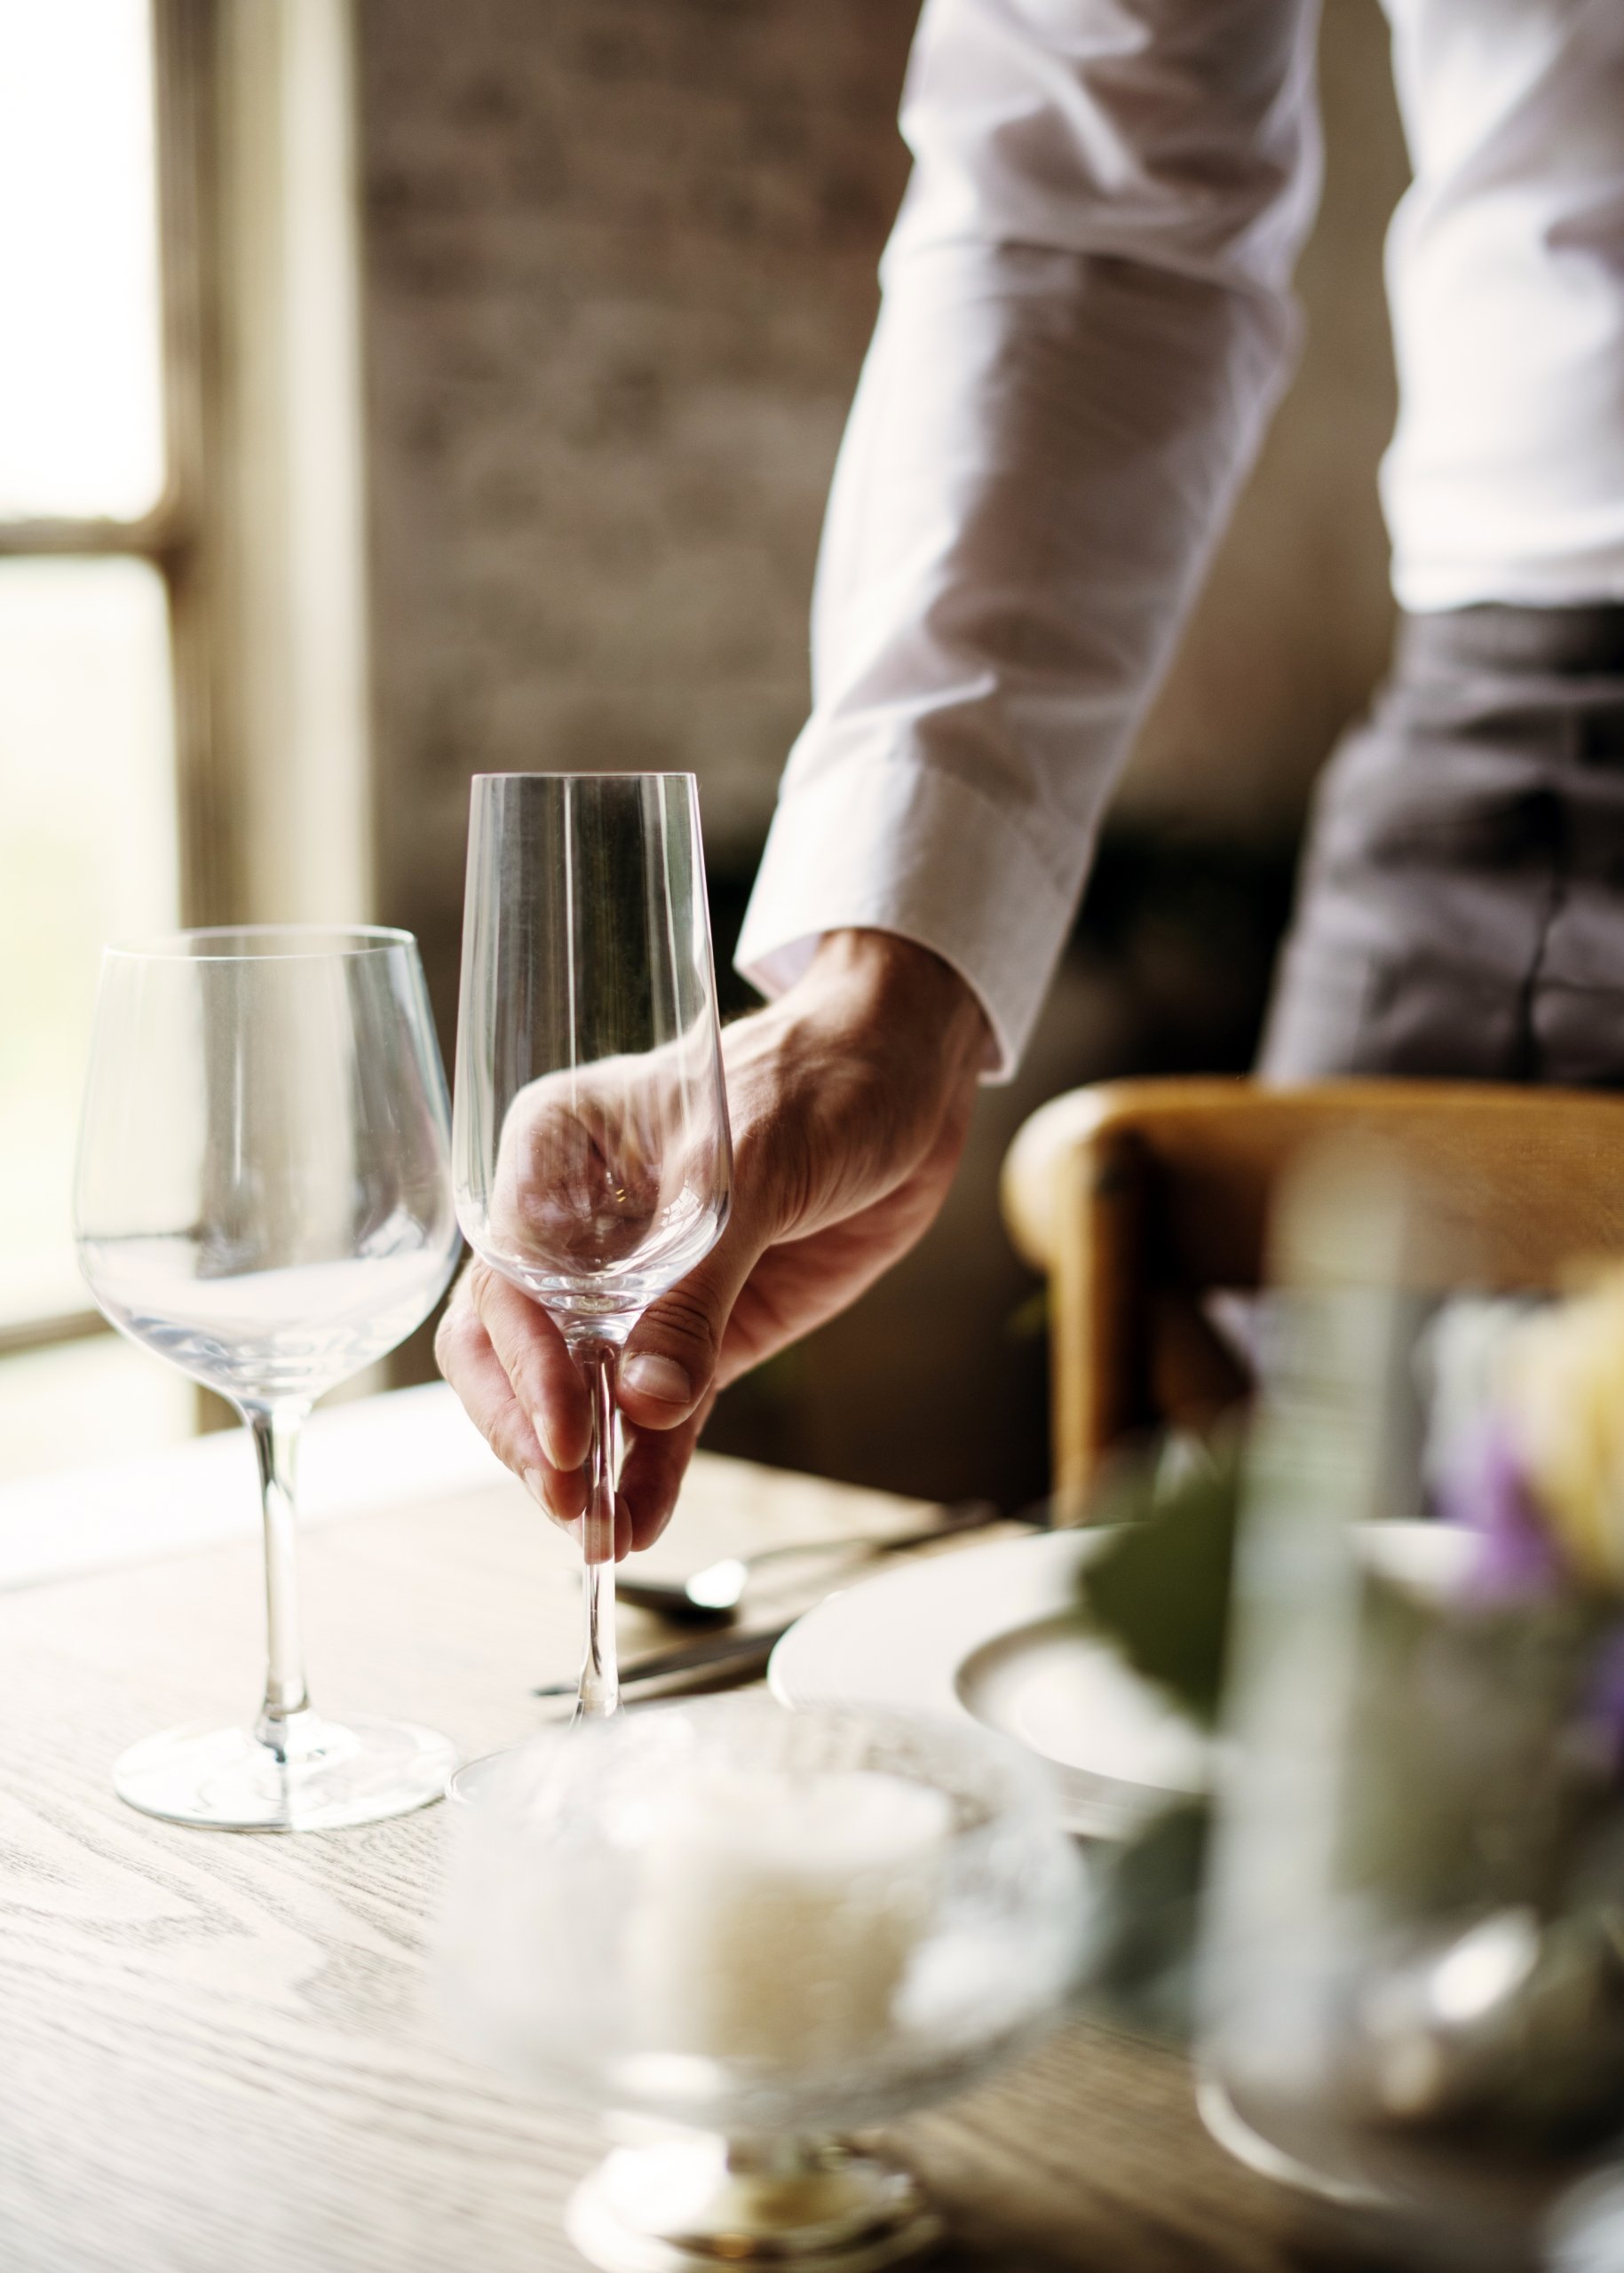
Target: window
x,y
91,506
182,723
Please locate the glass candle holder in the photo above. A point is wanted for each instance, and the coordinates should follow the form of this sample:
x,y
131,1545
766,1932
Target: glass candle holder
x,y
768,1929
1413,1958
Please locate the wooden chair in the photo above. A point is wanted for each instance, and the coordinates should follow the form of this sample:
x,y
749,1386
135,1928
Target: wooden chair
x,y
1140,1197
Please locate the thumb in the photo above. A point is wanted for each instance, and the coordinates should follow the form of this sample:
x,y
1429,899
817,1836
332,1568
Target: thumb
x,y
670,1359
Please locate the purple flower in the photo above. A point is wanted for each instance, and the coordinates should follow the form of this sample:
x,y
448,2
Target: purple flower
x,y
1488,1493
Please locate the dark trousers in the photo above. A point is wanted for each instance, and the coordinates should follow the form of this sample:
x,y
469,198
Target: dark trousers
x,y
1461,907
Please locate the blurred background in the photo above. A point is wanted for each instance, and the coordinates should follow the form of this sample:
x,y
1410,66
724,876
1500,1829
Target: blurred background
x,y
391,392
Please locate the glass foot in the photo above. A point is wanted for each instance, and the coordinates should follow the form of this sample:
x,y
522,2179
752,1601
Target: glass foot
x,y
1237,2135
685,2204
480,1779
334,1774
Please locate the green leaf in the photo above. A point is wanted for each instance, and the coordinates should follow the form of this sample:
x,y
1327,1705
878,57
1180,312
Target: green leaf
x,y
1148,1904
1160,1589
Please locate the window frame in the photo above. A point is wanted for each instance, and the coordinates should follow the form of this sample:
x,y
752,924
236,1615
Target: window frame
x,y
171,538
277,85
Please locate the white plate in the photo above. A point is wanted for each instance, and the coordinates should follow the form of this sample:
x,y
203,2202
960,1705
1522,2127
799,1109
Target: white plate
x,y
987,1635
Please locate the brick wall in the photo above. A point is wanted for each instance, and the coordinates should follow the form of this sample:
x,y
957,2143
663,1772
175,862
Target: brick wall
x,y
620,260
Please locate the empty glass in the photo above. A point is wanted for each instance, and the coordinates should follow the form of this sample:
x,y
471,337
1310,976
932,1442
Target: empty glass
x,y
593,1165
263,1196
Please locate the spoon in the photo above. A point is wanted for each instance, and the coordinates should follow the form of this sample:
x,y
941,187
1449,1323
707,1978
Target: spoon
x,y
712,1596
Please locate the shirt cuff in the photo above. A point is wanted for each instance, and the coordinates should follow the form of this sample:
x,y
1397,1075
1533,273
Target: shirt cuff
x,y
896,844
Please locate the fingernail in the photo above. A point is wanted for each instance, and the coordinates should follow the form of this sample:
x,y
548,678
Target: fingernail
x,y
535,1484
661,1378
538,1421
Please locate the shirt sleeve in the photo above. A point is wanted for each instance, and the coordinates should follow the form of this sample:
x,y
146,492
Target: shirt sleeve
x,y
1085,322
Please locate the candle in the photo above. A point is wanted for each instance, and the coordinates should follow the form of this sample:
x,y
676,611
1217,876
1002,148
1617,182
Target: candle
x,y
776,1914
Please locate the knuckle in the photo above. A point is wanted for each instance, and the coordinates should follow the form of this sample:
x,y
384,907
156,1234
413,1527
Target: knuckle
x,y
529,1382
457,1333
504,1441
450,1339
487,1289
685,1320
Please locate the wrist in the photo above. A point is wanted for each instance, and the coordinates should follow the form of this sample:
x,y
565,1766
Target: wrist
x,y
892,984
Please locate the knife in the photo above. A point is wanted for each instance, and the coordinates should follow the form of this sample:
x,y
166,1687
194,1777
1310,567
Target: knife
x,y
737,1652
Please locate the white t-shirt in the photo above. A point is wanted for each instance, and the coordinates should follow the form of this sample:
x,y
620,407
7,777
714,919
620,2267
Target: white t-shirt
x,y
1086,323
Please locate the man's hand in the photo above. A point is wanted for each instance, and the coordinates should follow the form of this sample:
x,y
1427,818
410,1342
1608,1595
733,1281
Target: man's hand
x,y
849,1101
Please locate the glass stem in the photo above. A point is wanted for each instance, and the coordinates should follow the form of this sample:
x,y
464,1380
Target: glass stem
x,y
275,1432
599,1697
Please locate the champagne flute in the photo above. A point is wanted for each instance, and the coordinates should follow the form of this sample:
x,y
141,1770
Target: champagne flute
x,y
262,1196
592,1160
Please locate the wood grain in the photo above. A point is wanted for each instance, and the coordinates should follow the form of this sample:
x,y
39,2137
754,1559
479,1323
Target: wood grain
x,y
216,2053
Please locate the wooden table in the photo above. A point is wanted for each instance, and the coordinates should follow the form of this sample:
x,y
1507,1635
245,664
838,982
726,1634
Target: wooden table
x,y
214,2054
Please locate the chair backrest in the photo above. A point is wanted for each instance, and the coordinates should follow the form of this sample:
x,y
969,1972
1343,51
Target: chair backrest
x,y
1140,1197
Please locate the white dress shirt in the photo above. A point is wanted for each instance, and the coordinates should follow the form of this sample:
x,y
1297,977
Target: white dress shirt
x,y
1086,323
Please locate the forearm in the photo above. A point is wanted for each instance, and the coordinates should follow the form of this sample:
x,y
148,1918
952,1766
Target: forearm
x,y
1076,357
1016,534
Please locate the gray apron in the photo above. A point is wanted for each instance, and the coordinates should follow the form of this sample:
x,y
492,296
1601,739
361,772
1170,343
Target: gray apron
x,y
1460,906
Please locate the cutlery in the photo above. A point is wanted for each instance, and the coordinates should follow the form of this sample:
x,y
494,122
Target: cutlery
x,y
738,1653
711,1596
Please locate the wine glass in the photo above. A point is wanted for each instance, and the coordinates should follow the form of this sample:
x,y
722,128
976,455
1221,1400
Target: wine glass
x,y
593,1164
263,1196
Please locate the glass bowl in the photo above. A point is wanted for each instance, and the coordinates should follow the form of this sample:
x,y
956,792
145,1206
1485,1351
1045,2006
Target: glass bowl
x,y
769,1928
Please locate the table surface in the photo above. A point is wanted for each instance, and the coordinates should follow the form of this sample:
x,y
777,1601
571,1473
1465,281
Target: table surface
x,y
216,2052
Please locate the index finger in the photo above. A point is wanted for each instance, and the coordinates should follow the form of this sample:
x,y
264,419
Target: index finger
x,y
545,1378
